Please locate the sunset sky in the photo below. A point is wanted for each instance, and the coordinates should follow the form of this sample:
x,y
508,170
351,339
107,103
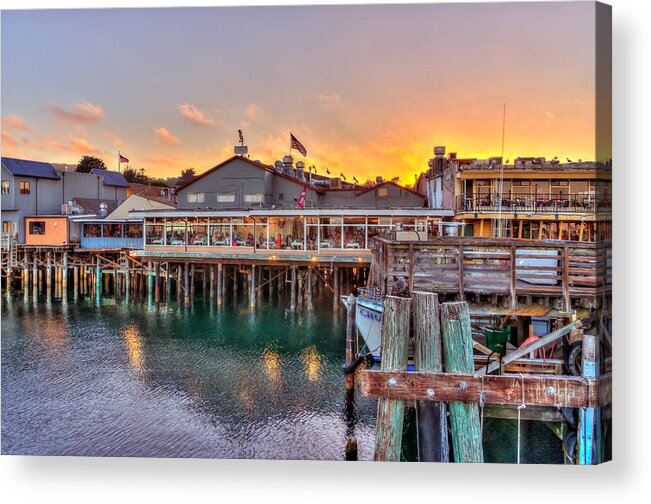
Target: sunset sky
x,y
369,90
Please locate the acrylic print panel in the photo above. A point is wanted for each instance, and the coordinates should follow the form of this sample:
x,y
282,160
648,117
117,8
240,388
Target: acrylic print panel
x,y
382,234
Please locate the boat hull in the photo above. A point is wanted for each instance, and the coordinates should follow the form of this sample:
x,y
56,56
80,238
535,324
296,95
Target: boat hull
x,y
368,319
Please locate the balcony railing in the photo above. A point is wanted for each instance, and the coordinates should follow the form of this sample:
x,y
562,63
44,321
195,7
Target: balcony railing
x,y
533,203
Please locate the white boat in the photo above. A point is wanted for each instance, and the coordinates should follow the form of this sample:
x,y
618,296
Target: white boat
x,y
368,320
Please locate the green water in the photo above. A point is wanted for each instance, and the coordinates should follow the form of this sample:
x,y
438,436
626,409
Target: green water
x,y
233,382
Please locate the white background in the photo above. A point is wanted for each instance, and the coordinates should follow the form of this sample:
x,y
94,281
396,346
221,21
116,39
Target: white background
x,y
627,479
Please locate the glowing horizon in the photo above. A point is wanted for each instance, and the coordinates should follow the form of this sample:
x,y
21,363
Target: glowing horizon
x,y
369,90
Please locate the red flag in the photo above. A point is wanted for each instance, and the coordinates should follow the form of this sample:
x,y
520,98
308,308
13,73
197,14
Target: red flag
x,y
297,145
301,200
123,159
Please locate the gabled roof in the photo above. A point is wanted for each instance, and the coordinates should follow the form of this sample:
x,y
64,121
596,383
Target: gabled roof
x,y
393,184
252,163
136,202
111,178
26,168
91,205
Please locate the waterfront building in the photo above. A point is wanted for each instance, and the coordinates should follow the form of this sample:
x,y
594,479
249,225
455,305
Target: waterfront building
x,y
113,227
33,188
533,198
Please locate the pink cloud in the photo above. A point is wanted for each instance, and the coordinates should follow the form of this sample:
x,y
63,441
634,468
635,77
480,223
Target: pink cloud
x,y
194,115
253,111
167,136
82,112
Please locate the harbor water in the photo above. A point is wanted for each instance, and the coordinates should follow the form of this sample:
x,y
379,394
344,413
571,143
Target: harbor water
x,y
167,381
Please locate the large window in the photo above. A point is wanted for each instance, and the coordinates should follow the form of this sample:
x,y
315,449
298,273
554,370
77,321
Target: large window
x,y
198,231
227,197
112,230
133,230
24,187
176,232
37,228
243,232
197,197
5,187
92,231
155,233
220,232
8,226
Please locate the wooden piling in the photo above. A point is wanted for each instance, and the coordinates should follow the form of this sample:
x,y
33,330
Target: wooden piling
x,y
457,353
98,281
48,274
292,303
212,284
34,276
390,412
75,281
220,284
186,284
351,449
252,291
351,304
433,443
310,304
589,429
335,290
179,283
192,285
157,282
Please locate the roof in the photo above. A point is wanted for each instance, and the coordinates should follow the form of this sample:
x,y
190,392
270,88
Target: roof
x,y
149,191
252,163
111,178
91,205
137,202
393,184
26,168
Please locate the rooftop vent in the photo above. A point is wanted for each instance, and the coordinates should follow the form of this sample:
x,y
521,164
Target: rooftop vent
x,y
103,209
378,180
439,151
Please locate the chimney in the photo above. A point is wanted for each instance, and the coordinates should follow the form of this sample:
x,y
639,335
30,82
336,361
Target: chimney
x,y
278,166
287,164
438,163
300,170
378,180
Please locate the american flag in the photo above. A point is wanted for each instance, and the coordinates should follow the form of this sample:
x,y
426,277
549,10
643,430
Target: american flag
x,y
297,145
123,159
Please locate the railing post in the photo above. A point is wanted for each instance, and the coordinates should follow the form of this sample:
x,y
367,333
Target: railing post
x,y
567,306
513,280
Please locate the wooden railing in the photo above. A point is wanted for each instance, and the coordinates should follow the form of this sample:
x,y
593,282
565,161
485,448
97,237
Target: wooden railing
x,y
533,203
495,266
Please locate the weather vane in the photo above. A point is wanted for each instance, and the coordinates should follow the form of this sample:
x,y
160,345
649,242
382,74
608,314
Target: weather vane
x,y
241,135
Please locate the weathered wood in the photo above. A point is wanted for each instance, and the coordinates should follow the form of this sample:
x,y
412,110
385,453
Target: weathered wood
x,y
465,426
521,352
252,289
220,284
157,282
539,390
390,412
292,302
310,304
433,445
186,284
351,304
212,283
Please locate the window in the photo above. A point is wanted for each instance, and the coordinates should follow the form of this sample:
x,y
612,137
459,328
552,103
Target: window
x,y
560,183
196,197
5,187
24,187
8,226
133,230
254,198
112,230
92,231
226,197
382,192
37,228
281,196
521,183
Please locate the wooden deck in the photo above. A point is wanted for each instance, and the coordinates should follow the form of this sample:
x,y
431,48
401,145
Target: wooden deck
x,y
487,266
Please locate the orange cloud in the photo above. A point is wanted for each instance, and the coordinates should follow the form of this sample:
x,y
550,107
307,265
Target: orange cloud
x,y
167,136
194,115
15,122
77,146
82,112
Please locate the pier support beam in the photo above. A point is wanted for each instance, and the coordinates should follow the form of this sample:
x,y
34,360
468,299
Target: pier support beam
x,y
179,283
127,282
391,412
186,284
150,283
48,274
220,284
457,352
64,275
292,305
75,282
310,306
433,445
192,275
157,283
252,291
212,284
98,281
335,290
34,277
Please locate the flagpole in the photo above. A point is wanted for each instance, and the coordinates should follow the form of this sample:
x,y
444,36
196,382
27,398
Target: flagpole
x,y
119,162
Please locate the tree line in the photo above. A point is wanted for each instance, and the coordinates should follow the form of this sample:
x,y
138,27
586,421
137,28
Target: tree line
x,y
135,175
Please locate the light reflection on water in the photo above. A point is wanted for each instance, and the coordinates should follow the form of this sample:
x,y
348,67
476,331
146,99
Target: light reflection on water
x,y
143,380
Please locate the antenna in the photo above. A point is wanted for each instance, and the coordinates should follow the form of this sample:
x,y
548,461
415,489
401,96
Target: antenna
x,y
499,216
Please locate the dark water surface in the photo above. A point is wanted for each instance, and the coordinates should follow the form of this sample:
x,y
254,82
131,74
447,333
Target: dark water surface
x,y
234,382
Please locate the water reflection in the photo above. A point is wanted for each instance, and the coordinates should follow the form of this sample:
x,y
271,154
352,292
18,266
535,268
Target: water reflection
x,y
130,379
